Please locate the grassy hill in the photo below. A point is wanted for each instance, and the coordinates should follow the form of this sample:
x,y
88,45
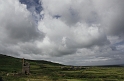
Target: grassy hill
x,y
9,64
10,70
13,66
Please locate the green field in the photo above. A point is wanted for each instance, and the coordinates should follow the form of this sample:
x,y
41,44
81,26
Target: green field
x,y
10,70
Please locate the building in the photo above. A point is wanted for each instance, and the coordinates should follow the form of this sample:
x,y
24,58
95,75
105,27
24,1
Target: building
x,y
25,67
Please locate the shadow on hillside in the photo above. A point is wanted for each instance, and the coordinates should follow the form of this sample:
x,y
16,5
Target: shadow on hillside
x,y
1,79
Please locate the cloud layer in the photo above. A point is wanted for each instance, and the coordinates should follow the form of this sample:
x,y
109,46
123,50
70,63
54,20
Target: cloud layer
x,y
88,31
17,27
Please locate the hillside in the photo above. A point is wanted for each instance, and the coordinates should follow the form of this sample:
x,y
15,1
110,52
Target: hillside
x,y
8,63
11,68
13,65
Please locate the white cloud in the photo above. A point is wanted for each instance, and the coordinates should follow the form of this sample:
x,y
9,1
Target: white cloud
x,y
82,24
79,34
89,31
17,28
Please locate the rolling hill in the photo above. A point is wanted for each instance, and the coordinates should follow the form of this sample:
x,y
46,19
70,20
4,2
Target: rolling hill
x,y
40,70
12,66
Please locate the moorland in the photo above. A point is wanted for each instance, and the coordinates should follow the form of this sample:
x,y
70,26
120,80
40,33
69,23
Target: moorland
x,y
40,70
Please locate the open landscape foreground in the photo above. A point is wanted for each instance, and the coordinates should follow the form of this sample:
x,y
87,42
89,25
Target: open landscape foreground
x,y
11,70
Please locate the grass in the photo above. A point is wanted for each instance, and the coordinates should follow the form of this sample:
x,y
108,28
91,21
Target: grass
x,y
10,70
75,80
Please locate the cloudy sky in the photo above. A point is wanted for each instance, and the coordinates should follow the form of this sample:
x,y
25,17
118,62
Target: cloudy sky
x,y
71,32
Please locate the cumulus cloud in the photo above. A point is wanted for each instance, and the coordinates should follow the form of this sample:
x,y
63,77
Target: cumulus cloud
x,y
111,13
16,27
72,11
89,31
74,25
83,24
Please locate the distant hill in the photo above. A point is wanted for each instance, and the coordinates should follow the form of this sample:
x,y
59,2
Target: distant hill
x,y
114,65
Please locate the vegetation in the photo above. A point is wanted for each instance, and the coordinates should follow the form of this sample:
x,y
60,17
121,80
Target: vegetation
x,y
10,70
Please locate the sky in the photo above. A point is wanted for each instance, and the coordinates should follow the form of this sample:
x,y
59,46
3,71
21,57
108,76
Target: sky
x,y
70,32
